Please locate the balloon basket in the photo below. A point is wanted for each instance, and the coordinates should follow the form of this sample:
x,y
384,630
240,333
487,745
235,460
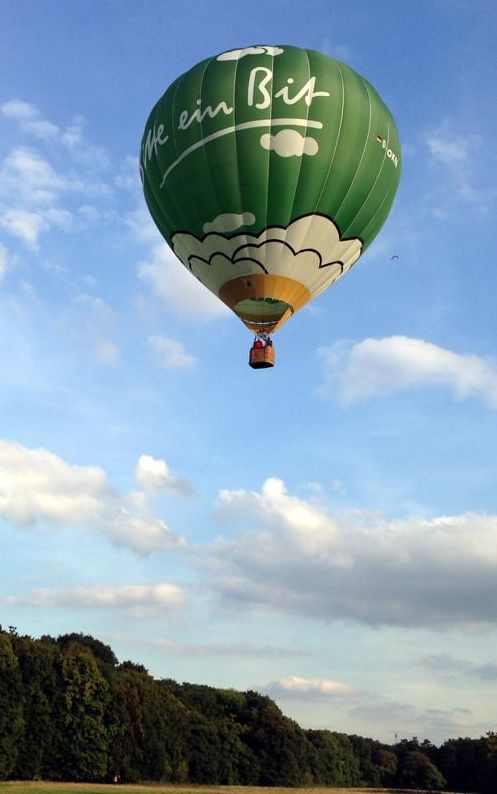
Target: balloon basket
x,y
261,357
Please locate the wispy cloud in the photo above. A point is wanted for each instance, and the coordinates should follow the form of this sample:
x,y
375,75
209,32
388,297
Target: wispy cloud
x,y
29,119
445,665
40,488
290,556
459,154
239,649
44,176
170,353
91,319
403,720
295,686
397,363
177,288
136,600
4,261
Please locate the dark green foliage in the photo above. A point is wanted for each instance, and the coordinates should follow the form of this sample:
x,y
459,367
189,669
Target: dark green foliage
x,y
81,738
40,669
11,722
70,711
103,654
465,764
417,771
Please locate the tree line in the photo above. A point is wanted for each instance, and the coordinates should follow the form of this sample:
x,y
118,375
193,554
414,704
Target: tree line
x,y
69,711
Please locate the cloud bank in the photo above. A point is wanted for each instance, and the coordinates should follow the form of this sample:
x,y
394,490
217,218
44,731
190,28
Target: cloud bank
x,y
294,557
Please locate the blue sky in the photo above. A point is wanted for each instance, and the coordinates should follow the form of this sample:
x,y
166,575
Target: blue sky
x,y
326,531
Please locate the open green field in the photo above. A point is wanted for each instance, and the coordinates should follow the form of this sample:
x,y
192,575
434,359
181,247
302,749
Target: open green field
x,y
37,787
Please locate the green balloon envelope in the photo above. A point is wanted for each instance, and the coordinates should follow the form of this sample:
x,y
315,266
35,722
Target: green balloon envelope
x,y
269,170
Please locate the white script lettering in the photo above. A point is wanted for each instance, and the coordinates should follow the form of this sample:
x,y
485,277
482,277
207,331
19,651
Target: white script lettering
x,y
154,139
259,79
199,115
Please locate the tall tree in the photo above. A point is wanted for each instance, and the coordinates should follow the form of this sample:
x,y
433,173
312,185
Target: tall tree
x,y
38,666
82,739
11,723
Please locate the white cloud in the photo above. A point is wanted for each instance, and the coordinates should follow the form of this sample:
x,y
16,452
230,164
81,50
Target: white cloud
x,y
142,227
25,225
91,319
289,143
40,488
38,185
459,154
381,366
27,176
291,556
4,261
170,353
154,476
176,287
31,122
294,686
137,600
128,176
29,119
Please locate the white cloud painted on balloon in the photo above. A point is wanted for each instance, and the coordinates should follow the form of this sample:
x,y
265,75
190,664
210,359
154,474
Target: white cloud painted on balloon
x,y
289,143
236,55
229,222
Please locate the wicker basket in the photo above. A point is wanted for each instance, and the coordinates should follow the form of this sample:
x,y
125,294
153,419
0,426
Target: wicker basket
x,y
261,357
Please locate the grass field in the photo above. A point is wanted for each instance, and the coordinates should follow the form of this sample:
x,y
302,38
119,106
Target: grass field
x,y
37,787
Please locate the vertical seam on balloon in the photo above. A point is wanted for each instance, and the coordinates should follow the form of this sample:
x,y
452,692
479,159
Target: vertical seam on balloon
x,y
344,232
372,187
330,166
378,209
269,156
177,206
303,154
242,206
206,159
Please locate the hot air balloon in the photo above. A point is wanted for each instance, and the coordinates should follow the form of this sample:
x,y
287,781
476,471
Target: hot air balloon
x,y
269,170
